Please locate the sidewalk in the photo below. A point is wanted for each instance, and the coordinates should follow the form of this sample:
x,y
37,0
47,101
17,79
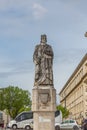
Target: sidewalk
x,y
2,128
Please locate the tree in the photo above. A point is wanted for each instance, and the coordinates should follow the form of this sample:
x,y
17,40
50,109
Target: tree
x,y
15,100
1,100
64,111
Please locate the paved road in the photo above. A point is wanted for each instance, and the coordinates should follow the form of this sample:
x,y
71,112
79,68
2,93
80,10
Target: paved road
x,y
11,129
31,129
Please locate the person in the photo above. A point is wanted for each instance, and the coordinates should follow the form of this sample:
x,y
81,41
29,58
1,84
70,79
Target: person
x,y
84,124
43,59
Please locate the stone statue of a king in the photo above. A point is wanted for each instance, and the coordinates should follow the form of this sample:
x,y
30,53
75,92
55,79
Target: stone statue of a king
x,y
43,93
43,59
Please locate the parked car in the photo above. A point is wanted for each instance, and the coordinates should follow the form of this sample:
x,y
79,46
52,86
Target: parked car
x,y
67,124
22,120
25,120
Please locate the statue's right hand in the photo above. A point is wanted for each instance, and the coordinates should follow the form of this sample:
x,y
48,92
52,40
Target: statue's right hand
x,y
37,61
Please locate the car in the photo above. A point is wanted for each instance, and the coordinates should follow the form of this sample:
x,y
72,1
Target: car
x,y
67,124
25,120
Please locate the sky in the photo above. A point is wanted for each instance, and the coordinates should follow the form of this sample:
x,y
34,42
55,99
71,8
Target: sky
x,y
22,22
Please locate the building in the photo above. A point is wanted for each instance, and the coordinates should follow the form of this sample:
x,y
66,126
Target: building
x,y
73,95
4,118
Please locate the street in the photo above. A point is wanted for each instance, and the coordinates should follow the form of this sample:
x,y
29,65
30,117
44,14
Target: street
x,y
31,129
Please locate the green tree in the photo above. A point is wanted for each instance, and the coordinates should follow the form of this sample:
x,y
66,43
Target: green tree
x,y
15,100
64,111
1,100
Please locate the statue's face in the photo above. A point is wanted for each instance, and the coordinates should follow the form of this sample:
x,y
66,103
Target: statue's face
x,y
43,39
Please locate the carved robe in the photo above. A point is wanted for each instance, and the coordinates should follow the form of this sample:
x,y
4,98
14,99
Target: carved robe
x,y
43,59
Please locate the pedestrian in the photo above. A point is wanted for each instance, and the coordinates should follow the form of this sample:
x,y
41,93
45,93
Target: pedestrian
x,y
84,124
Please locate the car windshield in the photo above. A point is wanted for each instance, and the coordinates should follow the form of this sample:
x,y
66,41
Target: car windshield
x,y
24,116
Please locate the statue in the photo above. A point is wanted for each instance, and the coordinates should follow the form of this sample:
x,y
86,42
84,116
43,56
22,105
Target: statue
x,y
43,59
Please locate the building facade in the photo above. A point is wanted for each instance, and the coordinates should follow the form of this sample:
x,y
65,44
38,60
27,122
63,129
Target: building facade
x,y
4,118
73,95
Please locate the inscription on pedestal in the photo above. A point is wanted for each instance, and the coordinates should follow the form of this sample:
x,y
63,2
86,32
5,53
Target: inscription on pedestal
x,y
41,119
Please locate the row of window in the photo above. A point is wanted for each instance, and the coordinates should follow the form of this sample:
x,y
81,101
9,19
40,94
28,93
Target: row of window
x,y
72,83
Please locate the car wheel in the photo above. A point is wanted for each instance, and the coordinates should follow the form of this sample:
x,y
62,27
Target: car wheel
x,y
14,126
27,127
75,128
57,128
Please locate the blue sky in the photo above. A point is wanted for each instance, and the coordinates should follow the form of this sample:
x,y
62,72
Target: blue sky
x,y
21,24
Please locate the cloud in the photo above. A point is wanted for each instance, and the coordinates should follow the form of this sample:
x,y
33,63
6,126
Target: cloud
x,y
64,65
16,73
39,11
5,4
9,68
19,74
22,22
17,17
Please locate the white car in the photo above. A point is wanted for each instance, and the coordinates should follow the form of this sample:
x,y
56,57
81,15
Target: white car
x,y
67,124
23,120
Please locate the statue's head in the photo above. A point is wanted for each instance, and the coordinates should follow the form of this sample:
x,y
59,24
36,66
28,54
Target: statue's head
x,y
43,38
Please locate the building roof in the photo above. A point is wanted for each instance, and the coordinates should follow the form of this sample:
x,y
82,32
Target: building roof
x,y
75,71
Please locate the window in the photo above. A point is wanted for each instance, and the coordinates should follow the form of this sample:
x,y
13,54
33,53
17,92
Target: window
x,y
57,113
71,121
24,116
18,118
67,121
28,115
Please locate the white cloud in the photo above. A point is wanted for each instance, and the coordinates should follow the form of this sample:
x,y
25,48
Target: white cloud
x,y
39,11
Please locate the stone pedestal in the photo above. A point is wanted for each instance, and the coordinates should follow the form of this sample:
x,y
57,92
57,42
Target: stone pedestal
x,y
44,107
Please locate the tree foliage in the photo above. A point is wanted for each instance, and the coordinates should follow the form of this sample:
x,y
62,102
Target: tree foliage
x,y
14,100
64,111
1,100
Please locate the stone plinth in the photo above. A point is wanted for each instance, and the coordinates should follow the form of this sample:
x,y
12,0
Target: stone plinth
x,y
44,107
44,120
